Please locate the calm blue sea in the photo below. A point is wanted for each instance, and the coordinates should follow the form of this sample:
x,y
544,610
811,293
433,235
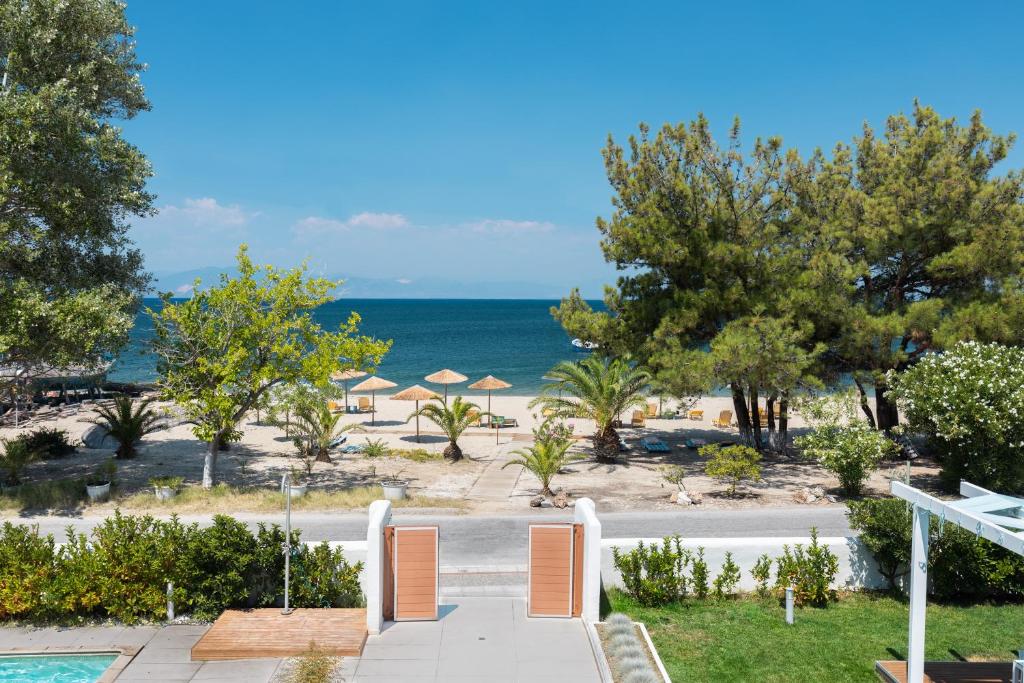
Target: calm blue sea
x,y
516,340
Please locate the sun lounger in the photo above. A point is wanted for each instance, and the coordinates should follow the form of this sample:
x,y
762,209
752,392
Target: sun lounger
x,y
353,448
474,417
335,407
655,445
639,419
724,419
652,410
696,414
364,405
337,442
696,443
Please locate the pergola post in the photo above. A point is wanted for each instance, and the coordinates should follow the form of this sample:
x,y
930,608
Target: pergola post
x,y
918,594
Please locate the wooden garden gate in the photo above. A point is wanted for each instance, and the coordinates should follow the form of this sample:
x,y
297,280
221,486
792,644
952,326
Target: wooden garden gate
x,y
410,573
555,572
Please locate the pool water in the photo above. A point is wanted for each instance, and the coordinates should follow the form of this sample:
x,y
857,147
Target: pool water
x,y
54,668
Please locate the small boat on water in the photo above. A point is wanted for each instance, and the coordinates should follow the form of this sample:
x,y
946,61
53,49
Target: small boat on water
x,y
581,345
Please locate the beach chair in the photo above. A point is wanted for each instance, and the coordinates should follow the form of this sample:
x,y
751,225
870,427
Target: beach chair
x,y
639,419
474,417
696,443
547,412
724,419
762,416
652,410
653,444
335,407
696,414
364,405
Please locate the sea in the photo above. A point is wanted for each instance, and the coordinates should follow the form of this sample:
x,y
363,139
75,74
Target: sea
x,y
514,340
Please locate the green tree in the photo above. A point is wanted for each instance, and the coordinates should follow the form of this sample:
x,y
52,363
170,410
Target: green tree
x,y
453,420
731,464
544,459
223,349
69,181
595,389
927,238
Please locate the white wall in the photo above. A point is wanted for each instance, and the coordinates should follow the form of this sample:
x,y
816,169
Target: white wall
x,y
857,568
584,514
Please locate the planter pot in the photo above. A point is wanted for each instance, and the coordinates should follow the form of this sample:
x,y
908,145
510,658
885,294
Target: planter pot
x,y
164,492
394,490
298,491
98,492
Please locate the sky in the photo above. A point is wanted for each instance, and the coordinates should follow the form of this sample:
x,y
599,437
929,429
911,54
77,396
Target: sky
x,y
412,142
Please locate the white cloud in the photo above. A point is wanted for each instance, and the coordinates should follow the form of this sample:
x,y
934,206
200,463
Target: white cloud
x,y
404,281
207,211
184,289
501,226
318,225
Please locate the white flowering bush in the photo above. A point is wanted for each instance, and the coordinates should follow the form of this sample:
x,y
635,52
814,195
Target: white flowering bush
x,y
969,401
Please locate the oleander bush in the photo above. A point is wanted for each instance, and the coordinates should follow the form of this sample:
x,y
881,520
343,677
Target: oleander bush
x,y
49,442
121,570
654,574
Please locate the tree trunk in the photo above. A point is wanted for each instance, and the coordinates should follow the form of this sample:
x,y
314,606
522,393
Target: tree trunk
x,y
773,435
606,445
453,452
323,455
886,410
210,462
755,419
783,422
864,403
739,404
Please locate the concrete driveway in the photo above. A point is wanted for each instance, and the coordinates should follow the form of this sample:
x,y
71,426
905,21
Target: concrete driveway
x,y
478,639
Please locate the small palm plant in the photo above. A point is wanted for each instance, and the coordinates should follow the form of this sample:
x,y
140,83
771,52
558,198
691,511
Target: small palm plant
x,y
315,430
596,389
128,423
544,459
453,420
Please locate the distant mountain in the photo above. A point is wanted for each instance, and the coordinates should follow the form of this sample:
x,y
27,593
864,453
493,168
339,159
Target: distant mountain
x,y
180,283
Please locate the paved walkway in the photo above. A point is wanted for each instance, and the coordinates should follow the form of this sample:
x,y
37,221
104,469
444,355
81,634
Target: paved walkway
x,y
495,483
478,639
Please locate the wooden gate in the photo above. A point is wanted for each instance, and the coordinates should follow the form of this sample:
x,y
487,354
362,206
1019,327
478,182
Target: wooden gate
x,y
410,573
555,575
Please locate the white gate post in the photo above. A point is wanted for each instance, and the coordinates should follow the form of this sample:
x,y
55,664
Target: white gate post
x,y
585,514
380,517
918,594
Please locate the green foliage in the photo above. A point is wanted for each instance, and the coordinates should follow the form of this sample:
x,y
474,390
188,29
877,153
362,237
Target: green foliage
x,y
16,456
810,571
598,390
884,527
70,184
761,572
699,575
727,580
376,448
452,419
654,574
49,442
731,464
166,482
544,459
215,566
324,579
127,423
27,563
314,428
844,445
105,473
222,349
969,401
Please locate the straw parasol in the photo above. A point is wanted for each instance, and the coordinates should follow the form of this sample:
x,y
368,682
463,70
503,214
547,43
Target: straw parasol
x,y
446,377
415,393
373,385
490,383
344,376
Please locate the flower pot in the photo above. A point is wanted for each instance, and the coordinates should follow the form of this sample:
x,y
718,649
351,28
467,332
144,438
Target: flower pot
x,y
297,490
394,490
164,492
98,492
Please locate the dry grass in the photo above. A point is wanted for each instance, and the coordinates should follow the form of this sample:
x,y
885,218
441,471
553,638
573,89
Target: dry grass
x,y
314,666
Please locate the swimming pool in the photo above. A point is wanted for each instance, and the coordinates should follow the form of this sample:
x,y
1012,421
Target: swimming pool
x,y
74,668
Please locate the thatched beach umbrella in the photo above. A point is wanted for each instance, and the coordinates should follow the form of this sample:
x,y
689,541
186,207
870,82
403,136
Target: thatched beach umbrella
x,y
446,377
490,383
373,385
345,376
415,393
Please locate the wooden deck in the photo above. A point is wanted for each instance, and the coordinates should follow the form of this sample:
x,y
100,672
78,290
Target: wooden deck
x,y
949,672
249,634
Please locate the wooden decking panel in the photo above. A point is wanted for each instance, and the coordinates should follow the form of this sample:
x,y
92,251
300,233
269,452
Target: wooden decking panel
x,y
948,672
249,634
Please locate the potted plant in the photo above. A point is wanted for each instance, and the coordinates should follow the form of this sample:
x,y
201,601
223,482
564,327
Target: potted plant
x,y
298,485
394,487
165,488
97,486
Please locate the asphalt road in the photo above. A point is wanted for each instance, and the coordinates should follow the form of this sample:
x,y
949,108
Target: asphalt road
x,y
501,540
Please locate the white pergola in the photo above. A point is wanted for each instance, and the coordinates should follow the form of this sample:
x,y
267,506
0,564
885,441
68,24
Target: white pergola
x,y
993,516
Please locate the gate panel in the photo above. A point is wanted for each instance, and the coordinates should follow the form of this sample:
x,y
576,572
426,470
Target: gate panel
x,y
577,570
551,570
388,580
415,567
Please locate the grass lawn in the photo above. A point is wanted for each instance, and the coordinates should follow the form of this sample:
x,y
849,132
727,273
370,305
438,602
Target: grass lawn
x,y
748,639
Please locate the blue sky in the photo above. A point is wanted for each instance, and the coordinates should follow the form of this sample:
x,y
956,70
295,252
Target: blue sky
x,y
461,140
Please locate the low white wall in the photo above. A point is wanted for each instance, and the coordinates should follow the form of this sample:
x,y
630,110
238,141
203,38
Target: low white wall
x,y
857,568
584,514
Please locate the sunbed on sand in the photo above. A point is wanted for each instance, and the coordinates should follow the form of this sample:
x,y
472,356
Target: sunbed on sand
x,y
655,445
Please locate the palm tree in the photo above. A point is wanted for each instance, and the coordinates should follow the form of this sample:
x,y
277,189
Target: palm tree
x,y
127,423
453,420
315,429
596,389
545,458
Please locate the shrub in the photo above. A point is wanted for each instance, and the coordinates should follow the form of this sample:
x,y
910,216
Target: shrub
x,y
314,666
969,402
810,571
215,567
761,572
49,442
851,452
884,525
76,586
699,575
545,458
654,574
127,423
727,580
266,584
323,578
731,464
376,448
15,458
27,563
